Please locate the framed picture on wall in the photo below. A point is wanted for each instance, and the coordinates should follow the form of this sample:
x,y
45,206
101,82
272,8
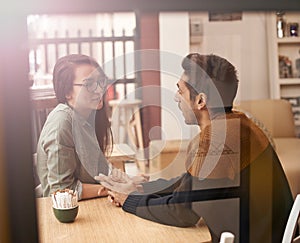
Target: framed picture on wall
x,y
221,16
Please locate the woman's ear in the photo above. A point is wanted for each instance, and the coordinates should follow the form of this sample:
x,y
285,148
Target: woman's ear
x,y
200,101
68,96
70,99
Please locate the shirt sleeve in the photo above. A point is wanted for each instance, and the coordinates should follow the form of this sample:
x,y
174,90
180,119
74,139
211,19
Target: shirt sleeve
x,y
170,209
61,156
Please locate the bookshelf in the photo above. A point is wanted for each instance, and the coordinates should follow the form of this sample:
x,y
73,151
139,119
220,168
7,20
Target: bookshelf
x,y
284,59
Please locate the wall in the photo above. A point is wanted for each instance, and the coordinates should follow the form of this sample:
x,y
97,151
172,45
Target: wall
x,y
174,45
244,44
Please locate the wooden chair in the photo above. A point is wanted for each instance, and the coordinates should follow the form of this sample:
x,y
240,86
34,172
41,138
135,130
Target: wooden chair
x,y
126,119
41,107
126,125
166,158
134,129
135,136
275,114
275,118
291,226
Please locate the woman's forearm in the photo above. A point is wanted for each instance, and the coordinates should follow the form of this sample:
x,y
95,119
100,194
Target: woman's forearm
x,y
92,191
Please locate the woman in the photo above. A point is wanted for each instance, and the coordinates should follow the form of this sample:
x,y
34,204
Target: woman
x,y
76,136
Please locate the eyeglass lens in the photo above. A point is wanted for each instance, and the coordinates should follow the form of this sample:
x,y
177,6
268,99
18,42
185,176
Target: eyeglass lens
x,y
92,84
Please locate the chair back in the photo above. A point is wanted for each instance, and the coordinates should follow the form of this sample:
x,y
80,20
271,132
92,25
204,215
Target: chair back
x,y
275,114
134,129
291,226
166,158
41,107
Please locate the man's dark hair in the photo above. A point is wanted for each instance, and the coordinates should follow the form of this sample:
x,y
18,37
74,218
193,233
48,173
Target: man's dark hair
x,y
212,75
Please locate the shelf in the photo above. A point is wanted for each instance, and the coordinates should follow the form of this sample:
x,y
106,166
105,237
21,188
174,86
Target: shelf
x,y
288,47
289,81
288,40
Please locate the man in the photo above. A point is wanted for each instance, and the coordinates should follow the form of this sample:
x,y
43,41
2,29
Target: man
x,y
234,180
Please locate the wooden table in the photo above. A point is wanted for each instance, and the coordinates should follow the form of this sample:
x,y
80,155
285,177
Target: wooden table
x,y
99,221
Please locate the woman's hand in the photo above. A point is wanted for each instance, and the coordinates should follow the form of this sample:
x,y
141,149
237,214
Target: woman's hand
x,y
93,190
116,198
102,191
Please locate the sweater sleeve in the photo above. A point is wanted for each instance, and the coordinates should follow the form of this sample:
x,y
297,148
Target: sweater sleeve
x,y
162,186
171,209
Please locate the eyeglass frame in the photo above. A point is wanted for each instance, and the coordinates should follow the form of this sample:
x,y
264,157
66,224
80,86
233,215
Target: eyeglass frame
x,y
101,83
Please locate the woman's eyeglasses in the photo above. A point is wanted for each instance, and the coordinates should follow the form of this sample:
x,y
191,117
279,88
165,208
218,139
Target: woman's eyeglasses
x,y
91,84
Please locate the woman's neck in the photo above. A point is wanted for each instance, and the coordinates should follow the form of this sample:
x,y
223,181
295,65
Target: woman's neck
x,y
85,113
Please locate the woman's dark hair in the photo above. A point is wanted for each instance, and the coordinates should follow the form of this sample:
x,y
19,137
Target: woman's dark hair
x,y
63,78
212,75
64,73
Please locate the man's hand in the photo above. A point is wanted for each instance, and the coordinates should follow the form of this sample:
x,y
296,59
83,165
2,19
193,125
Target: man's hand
x,y
120,176
121,185
124,185
138,179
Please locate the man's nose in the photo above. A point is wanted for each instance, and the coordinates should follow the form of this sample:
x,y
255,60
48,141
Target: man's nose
x,y
177,97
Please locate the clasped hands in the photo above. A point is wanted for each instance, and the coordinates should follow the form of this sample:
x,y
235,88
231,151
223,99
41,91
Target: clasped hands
x,y
120,185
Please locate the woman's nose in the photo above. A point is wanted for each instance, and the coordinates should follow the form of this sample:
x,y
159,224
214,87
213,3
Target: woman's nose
x,y
100,89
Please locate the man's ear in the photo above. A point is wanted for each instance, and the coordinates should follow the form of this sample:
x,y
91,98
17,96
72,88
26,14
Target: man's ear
x,y
200,101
